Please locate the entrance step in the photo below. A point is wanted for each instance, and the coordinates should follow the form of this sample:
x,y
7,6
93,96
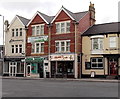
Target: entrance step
x,y
111,77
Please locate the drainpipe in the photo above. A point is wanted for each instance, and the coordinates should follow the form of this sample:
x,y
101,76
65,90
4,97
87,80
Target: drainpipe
x,y
75,54
49,45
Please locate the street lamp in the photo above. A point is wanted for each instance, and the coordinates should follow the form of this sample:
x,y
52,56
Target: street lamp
x,y
3,43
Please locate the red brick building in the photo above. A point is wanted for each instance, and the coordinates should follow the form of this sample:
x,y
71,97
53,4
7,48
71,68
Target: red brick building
x,y
62,48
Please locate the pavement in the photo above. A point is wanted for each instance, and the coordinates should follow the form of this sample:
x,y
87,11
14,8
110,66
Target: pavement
x,y
65,79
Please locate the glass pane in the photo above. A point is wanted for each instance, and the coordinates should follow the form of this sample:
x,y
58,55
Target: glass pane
x,y
62,27
33,30
58,28
95,43
42,47
99,59
62,43
94,60
42,29
38,29
94,65
68,27
100,65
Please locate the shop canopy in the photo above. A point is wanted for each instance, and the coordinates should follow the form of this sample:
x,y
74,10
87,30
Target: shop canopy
x,y
35,60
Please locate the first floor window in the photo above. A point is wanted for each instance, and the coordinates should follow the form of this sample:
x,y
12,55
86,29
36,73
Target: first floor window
x,y
62,46
38,47
96,62
113,42
97,44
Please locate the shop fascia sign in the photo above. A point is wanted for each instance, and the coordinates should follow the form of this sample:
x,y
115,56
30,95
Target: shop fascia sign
x,y
61,57
34,59
37,39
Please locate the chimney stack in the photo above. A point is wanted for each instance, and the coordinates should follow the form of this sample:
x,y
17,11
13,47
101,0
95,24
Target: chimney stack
x,y
92,14
6,25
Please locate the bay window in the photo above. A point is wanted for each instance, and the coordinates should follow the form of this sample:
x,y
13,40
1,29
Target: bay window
x,y
97,44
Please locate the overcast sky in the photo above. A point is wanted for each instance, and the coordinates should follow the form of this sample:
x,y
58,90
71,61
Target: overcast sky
x,y
106,10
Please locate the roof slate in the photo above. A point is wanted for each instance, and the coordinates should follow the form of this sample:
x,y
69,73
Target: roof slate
x,y
23,20
103,29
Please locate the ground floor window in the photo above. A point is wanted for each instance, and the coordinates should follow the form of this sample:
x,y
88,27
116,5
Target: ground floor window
x,y
96,62
63,68
6,67
20,67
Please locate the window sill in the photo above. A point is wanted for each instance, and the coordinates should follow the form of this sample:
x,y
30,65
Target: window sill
x,y
63,33
37,53
63,52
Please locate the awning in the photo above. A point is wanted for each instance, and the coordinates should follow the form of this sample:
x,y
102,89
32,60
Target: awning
x,y
34,59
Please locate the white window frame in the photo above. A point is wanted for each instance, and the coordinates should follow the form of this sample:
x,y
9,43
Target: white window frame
x,y
60,47
34,44
97,63
18,48
99,46
41,29
115,42
60,27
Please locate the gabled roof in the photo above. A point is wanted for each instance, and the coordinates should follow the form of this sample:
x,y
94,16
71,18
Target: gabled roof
x,y
106,28
73,16
45,17
23,20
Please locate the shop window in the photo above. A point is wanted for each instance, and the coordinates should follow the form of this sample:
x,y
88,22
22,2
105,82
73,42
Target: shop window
x,y
96,62
6,67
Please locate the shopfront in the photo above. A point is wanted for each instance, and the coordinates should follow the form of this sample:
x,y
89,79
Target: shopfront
x,y
13,67
34,67
62,66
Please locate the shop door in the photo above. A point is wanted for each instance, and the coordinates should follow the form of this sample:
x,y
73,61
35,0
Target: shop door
x,y
12,68
113,65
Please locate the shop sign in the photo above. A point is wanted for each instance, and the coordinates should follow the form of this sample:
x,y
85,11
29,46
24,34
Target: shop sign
x,y
34,59
37,39
61,57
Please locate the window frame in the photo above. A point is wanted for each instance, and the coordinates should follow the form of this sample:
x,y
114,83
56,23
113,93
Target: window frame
x,y
60,46
65,27
40,49
98,43
115,42
97,62
40,30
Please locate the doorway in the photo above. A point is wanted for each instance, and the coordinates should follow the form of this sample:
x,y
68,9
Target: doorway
x,y
12,68
28,70
113,66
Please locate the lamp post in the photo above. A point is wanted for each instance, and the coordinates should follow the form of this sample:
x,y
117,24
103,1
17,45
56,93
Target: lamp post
x,y
3,42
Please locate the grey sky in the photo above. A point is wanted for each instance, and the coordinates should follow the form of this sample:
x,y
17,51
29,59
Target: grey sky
x,y
106,10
